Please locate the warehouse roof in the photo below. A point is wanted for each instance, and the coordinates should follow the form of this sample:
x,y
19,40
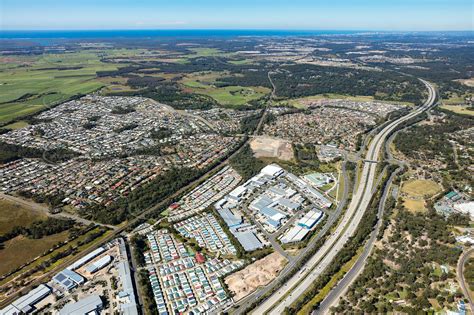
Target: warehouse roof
x,y
248,240
230,219
81,307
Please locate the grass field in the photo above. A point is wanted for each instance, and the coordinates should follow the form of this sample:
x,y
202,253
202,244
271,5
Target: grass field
x,y
12,214
414,205
463,110
416,191
49,242
241,62
204,83
420,188
22,249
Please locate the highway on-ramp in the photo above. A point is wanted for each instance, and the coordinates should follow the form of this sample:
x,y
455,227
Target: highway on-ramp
x,y
303,279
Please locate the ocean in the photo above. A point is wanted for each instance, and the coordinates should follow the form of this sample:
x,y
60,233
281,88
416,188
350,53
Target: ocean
x,y
96,34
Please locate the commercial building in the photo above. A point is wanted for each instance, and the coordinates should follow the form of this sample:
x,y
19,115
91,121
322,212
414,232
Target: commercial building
x,y
89,305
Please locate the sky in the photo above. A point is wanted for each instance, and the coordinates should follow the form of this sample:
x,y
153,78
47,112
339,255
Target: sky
x,y
411,15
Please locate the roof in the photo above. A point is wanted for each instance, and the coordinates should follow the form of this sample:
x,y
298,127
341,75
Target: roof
x,y
467,207
129,308
248,240
230,218
25,302
238,191
96,265
68,279
287,203
277,190
272,213
262,202
310,218
271,170
295,234
86,258
451,194
81,307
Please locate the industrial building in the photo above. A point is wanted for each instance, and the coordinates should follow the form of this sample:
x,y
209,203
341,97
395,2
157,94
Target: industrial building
x,y
79,263
272,170
89,305
310,219
230,218
99,264
127,294
25,304
299,231
68,279
249,240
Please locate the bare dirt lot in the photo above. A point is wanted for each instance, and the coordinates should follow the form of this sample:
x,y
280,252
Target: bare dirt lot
x,y
272,148
257,274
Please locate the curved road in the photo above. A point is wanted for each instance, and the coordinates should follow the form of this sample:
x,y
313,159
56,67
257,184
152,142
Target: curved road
x,y
460,273
303,279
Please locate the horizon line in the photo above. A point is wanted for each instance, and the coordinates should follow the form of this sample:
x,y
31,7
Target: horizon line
x,y
232,29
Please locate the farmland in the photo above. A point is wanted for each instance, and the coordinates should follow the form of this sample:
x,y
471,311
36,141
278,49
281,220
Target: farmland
x,y
33,83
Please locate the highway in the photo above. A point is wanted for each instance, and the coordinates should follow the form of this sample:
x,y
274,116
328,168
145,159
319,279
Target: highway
x,y
241,306
303,279
343,285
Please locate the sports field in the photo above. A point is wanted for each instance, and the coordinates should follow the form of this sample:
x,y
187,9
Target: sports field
x,y
416,191
420,188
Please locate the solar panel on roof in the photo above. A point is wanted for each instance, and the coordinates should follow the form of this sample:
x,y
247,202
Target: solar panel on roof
x,y
60,277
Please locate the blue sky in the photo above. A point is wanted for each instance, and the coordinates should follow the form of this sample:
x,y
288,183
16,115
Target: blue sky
x,y
242,14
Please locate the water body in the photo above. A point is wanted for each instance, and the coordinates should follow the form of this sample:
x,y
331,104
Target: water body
x,y
96,34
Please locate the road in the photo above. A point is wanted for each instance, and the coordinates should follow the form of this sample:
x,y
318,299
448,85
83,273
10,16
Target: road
x,y
45,210
303,279
460,275
118,231
343,285
241,306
